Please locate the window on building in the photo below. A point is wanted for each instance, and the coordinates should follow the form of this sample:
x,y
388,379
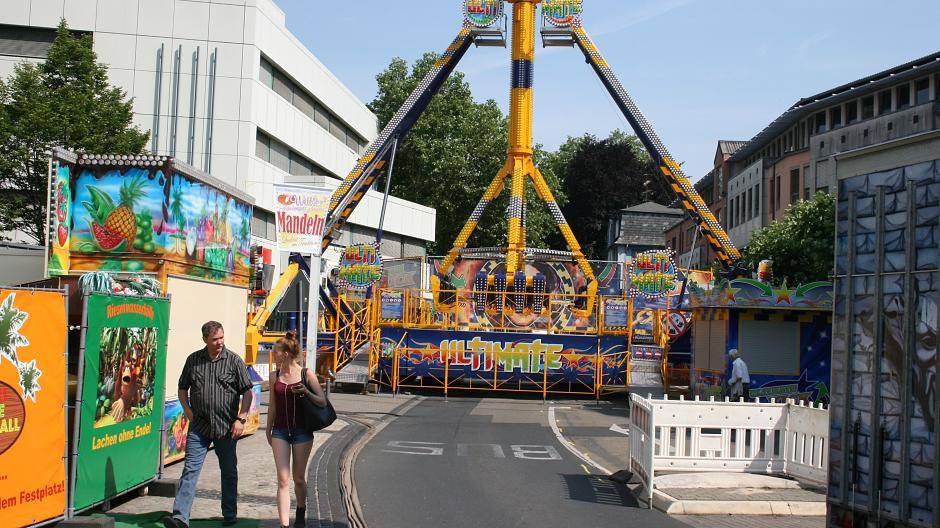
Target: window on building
x,y
28,42
751,203
771,202
794,185
904,96
851,112
263,146
820,122
300,166
757,200
262,224
322,117
777,203
884,102
806,183
282,157
835,117
275,79
338,131
304,103
922,91
936,86
283,86
868,107
266,76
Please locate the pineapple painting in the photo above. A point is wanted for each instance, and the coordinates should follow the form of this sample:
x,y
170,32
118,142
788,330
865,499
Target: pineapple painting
x,y
114,227
123,220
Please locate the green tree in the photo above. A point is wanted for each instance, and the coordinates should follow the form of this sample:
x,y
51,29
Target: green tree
x,y
451,154
801,245
601,177
64,102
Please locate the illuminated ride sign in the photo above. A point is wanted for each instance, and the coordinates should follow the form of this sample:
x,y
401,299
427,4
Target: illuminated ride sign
x,y
562,13
653,274
360,266
482,13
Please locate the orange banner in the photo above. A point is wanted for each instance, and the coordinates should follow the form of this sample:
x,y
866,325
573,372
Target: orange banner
x,y
32,406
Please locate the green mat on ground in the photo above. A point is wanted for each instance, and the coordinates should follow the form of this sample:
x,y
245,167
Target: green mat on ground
x,y
155,520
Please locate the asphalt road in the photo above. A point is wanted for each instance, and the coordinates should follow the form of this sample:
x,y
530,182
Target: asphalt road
x,y
467,462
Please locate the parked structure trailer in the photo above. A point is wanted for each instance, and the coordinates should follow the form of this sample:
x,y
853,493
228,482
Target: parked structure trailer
x,y
884,451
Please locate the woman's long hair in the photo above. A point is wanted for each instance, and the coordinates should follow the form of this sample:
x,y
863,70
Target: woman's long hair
x,y
289,344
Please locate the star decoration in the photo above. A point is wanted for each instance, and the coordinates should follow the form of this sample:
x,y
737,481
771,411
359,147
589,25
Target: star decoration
x,y
730,293
783,294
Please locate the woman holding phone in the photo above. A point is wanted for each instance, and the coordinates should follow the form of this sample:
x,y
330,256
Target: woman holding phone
x,y
288,433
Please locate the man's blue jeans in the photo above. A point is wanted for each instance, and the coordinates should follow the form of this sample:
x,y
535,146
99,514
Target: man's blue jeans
x,y
196,448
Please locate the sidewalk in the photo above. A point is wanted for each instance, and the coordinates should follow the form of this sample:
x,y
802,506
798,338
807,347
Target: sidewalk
x,y
256,473
597,430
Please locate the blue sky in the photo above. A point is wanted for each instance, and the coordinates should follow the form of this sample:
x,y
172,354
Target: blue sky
x,y
701,70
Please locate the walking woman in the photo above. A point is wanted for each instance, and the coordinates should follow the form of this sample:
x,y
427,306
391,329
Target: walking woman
x,y
287,430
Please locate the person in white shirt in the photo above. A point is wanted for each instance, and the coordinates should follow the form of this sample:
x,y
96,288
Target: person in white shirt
x,y
740,382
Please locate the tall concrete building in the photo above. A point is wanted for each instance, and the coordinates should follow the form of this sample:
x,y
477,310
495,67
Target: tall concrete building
x,y
224,86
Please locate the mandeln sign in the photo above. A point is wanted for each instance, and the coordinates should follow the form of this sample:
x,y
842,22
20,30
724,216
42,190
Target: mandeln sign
x,y
300,214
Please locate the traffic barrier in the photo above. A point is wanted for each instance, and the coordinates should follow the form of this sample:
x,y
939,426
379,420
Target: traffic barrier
x,y
682,435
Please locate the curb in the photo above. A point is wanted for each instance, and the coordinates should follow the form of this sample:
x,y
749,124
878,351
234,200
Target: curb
x,y
350,454
672,506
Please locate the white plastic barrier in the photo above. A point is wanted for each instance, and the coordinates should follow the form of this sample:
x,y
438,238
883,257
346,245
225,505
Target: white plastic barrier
x,y
807,454
641,440
696,435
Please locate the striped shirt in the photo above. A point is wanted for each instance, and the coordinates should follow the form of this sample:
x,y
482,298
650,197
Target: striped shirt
x,y
215,390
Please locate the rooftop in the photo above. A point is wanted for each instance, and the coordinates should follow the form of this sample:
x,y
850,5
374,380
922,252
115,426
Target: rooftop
x,y
653,208
865,85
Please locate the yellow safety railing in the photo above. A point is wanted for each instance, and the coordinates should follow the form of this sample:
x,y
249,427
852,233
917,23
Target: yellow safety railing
x,y
461,312
351,333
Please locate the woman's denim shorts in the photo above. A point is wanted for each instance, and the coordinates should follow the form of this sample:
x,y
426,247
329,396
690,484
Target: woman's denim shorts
x,y
292,436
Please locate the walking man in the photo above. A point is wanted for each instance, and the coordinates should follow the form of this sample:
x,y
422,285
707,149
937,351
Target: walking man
x,y
213,381
740,381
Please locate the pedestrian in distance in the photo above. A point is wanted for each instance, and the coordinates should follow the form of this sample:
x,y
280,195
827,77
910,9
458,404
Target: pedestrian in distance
x,y
740,381
215,393
288,431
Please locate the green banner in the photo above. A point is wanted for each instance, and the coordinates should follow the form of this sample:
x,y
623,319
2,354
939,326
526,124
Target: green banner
x,y
122,395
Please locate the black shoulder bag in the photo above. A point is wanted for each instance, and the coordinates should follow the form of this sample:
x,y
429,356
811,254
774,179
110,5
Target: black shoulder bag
x,y
317,417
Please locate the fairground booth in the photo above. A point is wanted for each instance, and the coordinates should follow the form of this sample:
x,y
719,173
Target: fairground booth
x,y
141,251
784,336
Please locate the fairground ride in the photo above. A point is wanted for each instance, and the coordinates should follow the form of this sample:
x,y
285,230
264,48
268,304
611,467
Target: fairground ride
x,y
508,287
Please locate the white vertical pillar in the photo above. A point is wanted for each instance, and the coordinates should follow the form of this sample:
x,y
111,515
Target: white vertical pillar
x,y
313,311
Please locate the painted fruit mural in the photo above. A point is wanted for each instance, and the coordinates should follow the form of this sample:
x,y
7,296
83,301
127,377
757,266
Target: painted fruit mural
x,y
129,219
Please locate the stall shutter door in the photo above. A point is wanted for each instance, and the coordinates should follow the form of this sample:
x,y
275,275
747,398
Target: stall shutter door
x,y
770,347
718,338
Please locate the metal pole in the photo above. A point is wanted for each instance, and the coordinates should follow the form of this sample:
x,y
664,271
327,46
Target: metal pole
x,y
313,311
300,303
77,418
388,183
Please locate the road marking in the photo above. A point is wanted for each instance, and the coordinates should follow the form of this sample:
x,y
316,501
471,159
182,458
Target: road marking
x,y
464,449
617,429
415,448
568,445
523,451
